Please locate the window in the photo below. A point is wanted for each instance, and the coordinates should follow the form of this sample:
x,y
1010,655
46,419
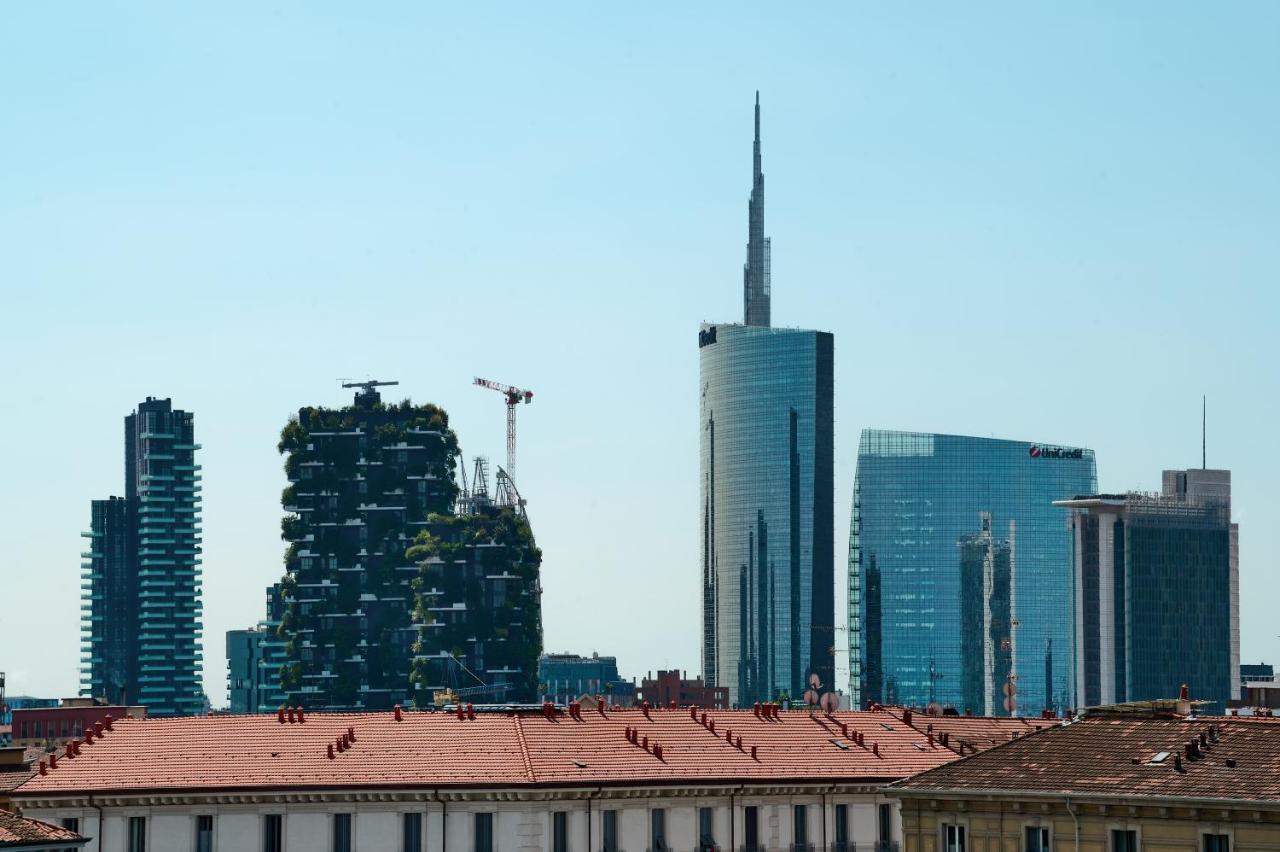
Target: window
x,y
273,833
137,834
1217,843
1037,839
658,830
751,827
1124,840
560,832
706,828
204,833
71,824
342,833
484,832
884,825
842,828
413,833
800,827
609,831
952,837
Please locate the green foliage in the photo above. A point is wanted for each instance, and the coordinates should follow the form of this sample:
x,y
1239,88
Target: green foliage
x,y
293,437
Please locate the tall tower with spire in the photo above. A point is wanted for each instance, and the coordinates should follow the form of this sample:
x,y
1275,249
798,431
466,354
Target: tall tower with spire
x,y
767,458
755,272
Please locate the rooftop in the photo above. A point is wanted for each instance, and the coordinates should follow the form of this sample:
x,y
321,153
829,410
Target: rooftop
x,y
1125,756
18,831
530,747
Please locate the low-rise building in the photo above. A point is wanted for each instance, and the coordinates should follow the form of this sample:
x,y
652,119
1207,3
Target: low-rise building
x,y
563,678
670,687
50,727
1105,783
575,780
30,835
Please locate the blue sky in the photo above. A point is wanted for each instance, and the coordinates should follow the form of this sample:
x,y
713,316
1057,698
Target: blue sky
x,y
1046,223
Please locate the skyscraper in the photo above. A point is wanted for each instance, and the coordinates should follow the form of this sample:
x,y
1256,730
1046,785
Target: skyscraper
x,y
959,571
1157,592
388,594
766,491
141,629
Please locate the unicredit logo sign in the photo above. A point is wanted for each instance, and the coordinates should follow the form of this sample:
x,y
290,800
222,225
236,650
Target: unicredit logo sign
x,y
1041,452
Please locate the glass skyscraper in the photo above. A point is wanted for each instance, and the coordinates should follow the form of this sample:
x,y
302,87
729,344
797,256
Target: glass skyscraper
x,y
960,586
1157,592
766,493
142,613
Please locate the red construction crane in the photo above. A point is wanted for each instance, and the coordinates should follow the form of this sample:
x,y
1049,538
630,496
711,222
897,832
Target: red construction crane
x,y
514,396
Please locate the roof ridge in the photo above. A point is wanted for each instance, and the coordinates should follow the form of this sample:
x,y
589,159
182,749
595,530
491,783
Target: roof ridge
x,y
524,750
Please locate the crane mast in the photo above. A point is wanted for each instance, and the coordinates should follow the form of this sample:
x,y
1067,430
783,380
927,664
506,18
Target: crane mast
x,y
514,396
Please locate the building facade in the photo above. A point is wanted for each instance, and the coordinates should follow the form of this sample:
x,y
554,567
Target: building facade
x,y
575,780
1156,582
670,688
390,596
767,449
254,658
563,678
959,571
1105,785
141,576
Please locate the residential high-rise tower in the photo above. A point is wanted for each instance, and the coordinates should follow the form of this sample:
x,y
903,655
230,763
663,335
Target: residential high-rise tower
x,y
141,631
767,448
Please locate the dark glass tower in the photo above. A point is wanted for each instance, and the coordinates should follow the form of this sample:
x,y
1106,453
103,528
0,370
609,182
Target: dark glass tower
x,y
767,448
142,629
1157,592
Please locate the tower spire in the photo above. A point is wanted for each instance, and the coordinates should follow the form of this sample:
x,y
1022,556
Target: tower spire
x,y
755,273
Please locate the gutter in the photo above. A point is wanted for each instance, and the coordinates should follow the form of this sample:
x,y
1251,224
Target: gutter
x,y
444,820
97,808
940,792
1074,819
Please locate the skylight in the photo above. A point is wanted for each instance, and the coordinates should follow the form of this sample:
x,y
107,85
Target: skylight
x,y
1160,757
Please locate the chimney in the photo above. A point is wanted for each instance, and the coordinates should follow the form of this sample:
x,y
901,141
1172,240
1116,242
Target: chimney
x,y
728,734
875,749
711,726
44,768
461,712
471,712
755,709
739,743
906,717
753,753
646,744
280,715
289,715
657,751
1184,694
351,734
398,714
693,713
1177,763
300,717
98,729
331,751
930,735
106,720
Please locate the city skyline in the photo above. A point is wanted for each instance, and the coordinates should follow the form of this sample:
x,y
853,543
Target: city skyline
x,y
977,240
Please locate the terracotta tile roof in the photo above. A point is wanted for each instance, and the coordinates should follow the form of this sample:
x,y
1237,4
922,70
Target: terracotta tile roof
x,y
16,775
1114,755
493,749
18,831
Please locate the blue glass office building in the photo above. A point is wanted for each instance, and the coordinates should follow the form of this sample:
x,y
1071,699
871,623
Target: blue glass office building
x,y
960,576
767,521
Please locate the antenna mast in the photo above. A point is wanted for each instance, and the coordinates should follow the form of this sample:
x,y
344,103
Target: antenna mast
x,y
1204,419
